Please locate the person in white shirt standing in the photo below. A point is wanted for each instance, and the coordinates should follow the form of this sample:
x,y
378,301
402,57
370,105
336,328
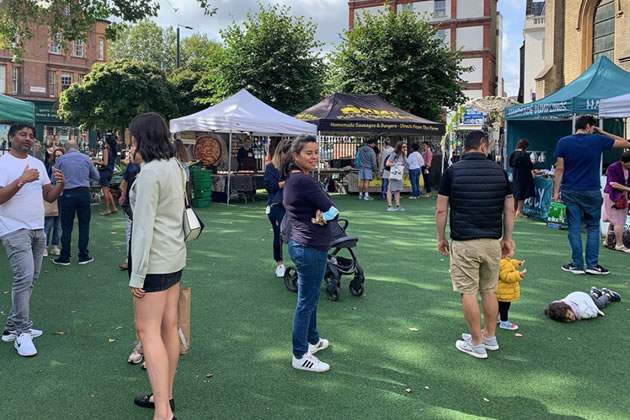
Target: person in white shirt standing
x,y
23,182
415,162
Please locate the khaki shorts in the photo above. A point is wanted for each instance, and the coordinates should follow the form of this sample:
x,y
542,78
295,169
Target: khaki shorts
x,y
475,265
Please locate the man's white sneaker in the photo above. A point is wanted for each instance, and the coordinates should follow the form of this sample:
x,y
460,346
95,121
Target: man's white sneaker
x,y
45,252
310,363
55,251
321,345
24,345
280,270
9,336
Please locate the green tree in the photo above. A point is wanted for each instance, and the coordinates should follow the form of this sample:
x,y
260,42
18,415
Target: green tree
x,y
276,57
71,19
399,57
113,93
146,42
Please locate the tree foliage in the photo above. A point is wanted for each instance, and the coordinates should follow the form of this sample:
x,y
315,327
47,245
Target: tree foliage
x,y
71,19
146,42
113,93
399,57
276,57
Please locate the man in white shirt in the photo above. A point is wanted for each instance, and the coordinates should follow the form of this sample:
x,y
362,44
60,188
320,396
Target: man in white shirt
x,y
415,162
23,183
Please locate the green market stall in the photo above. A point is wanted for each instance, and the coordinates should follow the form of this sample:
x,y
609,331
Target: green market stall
x,y
12,110
545,121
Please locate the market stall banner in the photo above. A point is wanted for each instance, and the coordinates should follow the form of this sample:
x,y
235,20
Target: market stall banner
x,y
366,114
601,80
538,207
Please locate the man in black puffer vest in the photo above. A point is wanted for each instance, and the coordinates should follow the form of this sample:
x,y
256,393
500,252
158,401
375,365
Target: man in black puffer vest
x,y
482,217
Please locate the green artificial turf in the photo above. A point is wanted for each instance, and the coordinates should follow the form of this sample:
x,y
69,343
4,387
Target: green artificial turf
x,y
241,332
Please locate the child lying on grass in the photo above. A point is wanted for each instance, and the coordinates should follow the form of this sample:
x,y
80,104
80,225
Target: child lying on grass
x,y
580,305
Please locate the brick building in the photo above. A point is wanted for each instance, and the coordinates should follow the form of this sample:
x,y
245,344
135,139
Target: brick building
x,y
472,25
577,32
45,70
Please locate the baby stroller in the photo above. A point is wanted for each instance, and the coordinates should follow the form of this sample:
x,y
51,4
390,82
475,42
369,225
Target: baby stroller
x,y
337,265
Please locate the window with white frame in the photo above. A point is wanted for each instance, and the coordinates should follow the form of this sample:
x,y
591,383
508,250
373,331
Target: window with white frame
x,y
439,8
80,78
52,84
101,49
15,80
3,79
55,44
77,49
66,80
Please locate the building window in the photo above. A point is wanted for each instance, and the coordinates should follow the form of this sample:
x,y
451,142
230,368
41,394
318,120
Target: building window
x,y
15,80
52,84
439,8
66,80
77,49
3,79
101,49
80,78
604,30
55,44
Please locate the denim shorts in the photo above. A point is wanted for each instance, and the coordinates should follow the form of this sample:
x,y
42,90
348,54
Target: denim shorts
x,y
365,173
160,282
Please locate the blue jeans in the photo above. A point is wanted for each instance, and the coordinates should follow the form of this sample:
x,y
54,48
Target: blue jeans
x,y
52,223
311,266
71,202
275,216
414,177
384,188
583,207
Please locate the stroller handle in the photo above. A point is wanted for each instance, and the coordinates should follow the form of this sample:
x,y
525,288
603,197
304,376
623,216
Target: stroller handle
x,y
343,223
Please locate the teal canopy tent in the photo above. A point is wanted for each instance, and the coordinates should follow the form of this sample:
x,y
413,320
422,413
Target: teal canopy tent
x,y
545,121
602,80
12,109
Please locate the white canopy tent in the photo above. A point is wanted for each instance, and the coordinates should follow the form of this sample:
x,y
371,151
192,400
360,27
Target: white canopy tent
x,y
242,113
617,107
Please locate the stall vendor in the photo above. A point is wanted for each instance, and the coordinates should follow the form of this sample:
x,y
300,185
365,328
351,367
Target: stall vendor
x,y
245,157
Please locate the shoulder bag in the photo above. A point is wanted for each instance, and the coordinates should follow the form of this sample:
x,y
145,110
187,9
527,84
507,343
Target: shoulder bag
x,y
396,172
192,224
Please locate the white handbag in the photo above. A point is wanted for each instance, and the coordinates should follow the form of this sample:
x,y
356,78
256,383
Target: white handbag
x,y
396,173
193,226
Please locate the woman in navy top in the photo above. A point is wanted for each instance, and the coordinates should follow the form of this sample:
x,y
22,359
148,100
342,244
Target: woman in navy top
x,y
305,200
275,209
106,171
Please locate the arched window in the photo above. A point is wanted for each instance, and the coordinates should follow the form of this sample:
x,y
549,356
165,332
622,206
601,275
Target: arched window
x,y
604,30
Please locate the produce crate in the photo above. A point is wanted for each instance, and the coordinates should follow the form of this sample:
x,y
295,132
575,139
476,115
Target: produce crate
x,y
202,194
202,184
201,174
199,203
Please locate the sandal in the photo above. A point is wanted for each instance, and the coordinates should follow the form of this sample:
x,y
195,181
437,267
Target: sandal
x,y
145,401
144,365
135,357
622,248
106,213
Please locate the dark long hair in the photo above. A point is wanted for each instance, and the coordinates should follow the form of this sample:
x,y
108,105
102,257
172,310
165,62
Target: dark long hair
x,y
152,137
398,150
288,162
180,151
110,140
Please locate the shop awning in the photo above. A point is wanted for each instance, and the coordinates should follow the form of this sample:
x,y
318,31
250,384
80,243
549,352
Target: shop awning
x,y
14,110
350,114
582,96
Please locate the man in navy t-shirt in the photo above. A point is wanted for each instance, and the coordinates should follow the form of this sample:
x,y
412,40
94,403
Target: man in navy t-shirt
x,y
578,178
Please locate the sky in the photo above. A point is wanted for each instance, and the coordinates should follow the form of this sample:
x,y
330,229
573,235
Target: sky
x,y
331,17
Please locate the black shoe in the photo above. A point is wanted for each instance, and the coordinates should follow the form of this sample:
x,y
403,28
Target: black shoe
x,y
85,260
145,401
61,261
614,296
596,293
598,270
572,269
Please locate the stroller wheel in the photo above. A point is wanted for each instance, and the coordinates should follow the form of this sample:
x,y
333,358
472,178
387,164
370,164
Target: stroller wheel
x,y
290,279
356,285
332,291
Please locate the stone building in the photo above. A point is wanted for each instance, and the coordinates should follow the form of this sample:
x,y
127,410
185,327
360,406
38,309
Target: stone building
x,y
46,69
577,32
472,25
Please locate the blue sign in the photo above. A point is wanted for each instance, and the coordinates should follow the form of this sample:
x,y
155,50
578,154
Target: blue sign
x,y
474,117
538,207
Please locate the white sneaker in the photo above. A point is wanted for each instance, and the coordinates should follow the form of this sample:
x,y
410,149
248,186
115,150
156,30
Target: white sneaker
x,y
321,345
280,270
24,345
45,252
55,251
9,336
310,363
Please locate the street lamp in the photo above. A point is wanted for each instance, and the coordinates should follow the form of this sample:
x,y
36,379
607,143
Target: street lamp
x,y
177,57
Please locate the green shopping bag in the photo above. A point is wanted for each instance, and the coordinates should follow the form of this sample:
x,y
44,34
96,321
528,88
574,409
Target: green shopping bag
x,y
557,216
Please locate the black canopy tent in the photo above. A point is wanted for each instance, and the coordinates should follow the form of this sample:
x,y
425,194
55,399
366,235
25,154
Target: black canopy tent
x,y
366,115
